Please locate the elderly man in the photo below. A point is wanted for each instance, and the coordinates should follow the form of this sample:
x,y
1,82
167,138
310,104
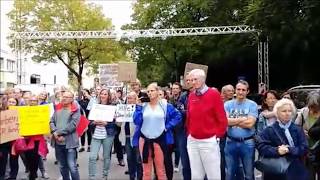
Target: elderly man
x,y
227,92
136,87
206,123
242,114
63,127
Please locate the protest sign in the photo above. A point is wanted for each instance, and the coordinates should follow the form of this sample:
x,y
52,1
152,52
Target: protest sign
x,y
127,71
33,120
108,74
124,112
102,112
9,126
190,66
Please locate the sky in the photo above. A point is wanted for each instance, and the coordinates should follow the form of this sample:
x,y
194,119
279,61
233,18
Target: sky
x,y
118,10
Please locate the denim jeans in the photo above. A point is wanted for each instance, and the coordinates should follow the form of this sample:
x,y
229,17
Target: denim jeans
x,y
67,159
133,160
181,144
95,147
4,153
235,151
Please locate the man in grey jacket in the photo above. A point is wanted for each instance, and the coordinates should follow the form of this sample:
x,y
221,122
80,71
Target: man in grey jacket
x,y
65,139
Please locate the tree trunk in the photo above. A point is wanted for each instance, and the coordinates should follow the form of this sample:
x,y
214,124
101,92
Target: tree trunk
x,y
79,79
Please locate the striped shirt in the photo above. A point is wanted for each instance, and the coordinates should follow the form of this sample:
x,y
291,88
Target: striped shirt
x,y
100,132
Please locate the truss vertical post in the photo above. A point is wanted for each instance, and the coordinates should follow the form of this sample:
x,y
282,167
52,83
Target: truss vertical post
x,y
266,63
260,70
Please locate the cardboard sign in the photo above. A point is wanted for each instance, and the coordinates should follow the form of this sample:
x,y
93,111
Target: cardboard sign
x,y
190,66
127,71
108,74
9,126
33,120
102,112
124,112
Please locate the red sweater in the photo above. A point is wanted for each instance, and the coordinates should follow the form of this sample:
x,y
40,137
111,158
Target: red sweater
x,y
205,115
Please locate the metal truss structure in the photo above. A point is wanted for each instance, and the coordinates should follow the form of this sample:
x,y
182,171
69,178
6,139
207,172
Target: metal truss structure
x,y
148,33
263,68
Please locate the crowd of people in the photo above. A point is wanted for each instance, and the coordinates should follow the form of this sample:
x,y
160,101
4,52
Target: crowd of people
x,y
214,134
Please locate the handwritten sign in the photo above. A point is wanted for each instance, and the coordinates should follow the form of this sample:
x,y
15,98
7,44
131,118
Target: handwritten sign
x,y
9,126
108,74
190,66
102,112
124,112
33,120
127,71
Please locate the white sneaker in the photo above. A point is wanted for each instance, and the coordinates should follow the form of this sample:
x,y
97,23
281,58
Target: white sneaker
x,y
176,169
45,176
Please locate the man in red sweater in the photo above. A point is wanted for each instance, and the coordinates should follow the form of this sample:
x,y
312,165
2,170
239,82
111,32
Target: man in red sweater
x,y
206,123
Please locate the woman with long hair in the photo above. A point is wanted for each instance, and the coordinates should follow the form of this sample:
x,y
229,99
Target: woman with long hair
x,y
102,135
267,117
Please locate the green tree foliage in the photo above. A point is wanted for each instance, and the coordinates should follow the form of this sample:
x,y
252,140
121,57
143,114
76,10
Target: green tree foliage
x,y
58,15
292,28
176,51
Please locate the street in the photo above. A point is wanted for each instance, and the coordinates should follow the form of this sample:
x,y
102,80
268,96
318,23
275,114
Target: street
x,y
116,171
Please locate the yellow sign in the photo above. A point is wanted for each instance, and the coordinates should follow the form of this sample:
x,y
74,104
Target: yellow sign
x,y
33,120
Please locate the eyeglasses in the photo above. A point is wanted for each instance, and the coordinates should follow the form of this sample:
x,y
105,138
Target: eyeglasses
x,y
66,97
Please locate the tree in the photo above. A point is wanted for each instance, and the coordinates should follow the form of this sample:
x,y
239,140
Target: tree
x,y
176,51
56,15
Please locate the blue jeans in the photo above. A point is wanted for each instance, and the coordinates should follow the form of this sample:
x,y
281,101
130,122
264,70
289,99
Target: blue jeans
x,y
95,148
235,151
181,143
133,160
67,159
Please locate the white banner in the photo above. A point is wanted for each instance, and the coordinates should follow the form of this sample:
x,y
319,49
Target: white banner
x,y
102,112
124,112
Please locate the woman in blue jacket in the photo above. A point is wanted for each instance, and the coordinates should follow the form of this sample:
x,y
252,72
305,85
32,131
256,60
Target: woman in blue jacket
x,y
154,124
284,139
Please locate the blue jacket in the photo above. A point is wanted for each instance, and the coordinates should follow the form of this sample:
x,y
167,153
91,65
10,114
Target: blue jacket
x,y
173,117
268,142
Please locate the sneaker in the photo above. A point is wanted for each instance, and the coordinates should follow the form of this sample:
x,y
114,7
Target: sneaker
x,y
121,163
176,169
81,149
88,150
55,162
126,172
45,176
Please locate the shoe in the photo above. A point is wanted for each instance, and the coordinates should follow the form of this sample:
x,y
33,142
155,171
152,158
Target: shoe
x,y
55,162
45,176
176,169
126,172
81,149
88,150
121,163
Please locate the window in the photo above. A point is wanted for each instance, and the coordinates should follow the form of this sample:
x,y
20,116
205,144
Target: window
x,y
35,79
1,63
10,65
10,85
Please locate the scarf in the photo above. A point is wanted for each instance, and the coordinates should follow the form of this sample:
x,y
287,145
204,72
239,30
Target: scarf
x,y
287,132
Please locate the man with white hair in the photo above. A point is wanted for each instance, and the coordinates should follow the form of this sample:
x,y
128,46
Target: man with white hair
x,y
206,123
227,92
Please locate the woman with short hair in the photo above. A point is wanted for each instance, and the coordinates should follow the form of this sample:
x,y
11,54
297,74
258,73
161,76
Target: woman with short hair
x,y
154,122
284,139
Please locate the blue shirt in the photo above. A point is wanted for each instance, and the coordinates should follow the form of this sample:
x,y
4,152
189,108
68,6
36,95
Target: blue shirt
x,y
153,122
237,109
